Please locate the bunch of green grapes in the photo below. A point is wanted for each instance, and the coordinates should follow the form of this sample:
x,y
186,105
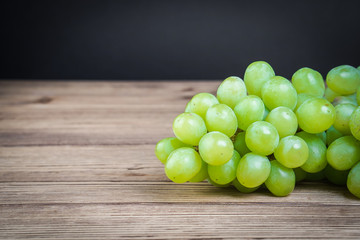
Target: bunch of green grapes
x,y
267,131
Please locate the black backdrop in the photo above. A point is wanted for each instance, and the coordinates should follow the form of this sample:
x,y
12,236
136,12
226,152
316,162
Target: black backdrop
x,y
174,39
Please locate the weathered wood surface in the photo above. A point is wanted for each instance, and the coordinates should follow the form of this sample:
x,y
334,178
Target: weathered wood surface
x,y
77,162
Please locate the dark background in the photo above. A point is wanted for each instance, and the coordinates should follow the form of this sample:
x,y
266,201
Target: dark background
x,y
174,39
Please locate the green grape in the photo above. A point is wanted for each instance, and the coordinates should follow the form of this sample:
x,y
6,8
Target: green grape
x,y
322,136
330,95
225,173
256,74
292,152
218,185
353,180
317,153
342,118
278,91
266,113
241,188
335,176
358,96
284,120
343,79
187,107
182,165
189,128
343,153
300,174
315,115
281,181
216,148
354,123
221,118
250,109
202,174
301,98
331,135
200,103
350,99
253,170
240,144
307,80
314,177
262,138
231,90
165,146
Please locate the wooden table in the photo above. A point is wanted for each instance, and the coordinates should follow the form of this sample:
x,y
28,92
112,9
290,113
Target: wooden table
x,y
77,161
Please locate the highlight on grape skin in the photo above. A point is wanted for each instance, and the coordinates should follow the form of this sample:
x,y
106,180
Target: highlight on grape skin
x,y
268,132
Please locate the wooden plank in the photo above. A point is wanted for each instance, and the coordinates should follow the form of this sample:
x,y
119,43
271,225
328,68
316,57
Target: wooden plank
x,y
85,127
164,192
80,163
91,113
111,221
101,92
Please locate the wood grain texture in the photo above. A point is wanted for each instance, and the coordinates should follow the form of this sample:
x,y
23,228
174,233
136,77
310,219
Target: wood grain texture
x,y
77,162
